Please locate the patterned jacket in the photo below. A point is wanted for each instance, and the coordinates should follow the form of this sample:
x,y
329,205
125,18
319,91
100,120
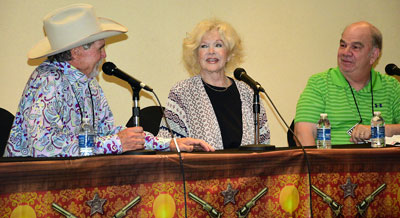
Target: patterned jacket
x,y
189,113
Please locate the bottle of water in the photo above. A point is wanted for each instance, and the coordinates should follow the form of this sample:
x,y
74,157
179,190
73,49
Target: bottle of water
x,y
323,132
86,138
377,131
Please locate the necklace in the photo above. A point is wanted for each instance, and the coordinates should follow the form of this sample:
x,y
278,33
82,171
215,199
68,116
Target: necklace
x,y
215,88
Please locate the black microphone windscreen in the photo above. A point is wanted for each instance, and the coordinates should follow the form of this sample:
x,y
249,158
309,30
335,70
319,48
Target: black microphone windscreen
x,y
391,69
108,68
238,73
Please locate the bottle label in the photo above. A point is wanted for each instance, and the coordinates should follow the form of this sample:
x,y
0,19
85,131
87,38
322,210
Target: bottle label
x,y
377,132
323,134
86,141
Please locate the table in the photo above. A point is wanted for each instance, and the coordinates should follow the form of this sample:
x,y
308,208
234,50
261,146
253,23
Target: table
x,y
225,180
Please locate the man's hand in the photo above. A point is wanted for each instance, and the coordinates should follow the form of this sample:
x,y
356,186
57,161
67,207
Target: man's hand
x,y
361,133
132,138
190,144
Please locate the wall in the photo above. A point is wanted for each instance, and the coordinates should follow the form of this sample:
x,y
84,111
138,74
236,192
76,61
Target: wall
x,y
285,42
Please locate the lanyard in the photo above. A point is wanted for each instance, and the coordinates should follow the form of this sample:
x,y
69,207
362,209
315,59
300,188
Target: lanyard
x,y
355,101
79,105
77,100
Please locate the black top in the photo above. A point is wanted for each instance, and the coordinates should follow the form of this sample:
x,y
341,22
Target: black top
x,y
228,110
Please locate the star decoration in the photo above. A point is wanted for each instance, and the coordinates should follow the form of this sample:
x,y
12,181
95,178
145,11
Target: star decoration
x,y
96,205
229,194
348,188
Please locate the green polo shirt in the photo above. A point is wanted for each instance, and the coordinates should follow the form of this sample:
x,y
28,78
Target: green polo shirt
x,y
328,92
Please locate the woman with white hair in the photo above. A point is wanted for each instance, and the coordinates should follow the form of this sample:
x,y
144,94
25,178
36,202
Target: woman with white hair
x,y
211,105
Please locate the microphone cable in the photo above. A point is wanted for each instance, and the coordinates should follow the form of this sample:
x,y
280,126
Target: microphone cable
x,y
301,145
177,149
110,69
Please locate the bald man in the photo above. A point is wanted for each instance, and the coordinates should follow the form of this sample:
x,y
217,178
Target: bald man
x,y
351,92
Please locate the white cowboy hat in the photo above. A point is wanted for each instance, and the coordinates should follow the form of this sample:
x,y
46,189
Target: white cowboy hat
x,y
73,26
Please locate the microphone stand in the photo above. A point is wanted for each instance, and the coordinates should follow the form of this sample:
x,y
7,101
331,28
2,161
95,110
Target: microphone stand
x,y
256,110
136,108
136,120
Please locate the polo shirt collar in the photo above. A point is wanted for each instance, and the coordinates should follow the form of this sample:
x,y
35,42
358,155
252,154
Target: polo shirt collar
x,y
339,80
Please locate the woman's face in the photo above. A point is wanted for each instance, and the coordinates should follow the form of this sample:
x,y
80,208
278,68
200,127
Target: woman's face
x,y
212,53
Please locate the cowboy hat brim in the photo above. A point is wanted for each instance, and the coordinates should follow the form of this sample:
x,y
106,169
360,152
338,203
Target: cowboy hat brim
x,y
108,28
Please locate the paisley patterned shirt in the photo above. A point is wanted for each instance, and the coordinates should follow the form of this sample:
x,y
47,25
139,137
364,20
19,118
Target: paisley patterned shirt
x,y
56,99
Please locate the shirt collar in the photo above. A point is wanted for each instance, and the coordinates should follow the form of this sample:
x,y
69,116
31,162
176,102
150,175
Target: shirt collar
x,y
72,74
339,80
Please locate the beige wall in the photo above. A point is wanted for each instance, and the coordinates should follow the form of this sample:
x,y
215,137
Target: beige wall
x,y
285,42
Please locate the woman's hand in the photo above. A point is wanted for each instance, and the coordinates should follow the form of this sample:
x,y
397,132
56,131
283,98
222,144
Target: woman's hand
x,y
190,144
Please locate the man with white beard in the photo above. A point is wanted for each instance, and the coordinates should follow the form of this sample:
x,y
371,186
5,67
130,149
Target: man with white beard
x,y
63,91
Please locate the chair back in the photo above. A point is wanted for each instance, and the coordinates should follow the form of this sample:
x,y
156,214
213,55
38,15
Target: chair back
x,y
6,121
150,119
290,137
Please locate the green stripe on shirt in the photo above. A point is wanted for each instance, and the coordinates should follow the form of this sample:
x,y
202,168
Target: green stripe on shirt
x,y
328,92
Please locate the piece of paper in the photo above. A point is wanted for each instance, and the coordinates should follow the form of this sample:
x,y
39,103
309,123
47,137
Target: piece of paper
x,y
394,140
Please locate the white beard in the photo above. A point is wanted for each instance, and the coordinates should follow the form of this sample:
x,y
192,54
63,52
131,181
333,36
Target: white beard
x,y
96,69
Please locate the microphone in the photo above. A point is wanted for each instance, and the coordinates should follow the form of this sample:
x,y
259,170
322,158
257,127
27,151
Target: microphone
x,y
240,74
110,69
392,69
